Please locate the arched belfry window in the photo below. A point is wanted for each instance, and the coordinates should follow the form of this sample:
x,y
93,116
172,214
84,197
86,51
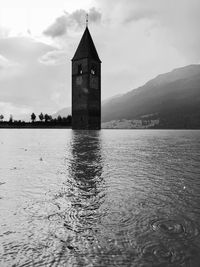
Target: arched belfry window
x,y
80,70
93,70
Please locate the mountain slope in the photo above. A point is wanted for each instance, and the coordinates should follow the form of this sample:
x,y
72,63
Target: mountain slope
x,y
173,98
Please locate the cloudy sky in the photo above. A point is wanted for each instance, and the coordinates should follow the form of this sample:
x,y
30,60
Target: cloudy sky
x,y
136,40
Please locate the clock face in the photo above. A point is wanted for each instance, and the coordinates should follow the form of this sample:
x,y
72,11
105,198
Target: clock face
x,y
79,80
94,82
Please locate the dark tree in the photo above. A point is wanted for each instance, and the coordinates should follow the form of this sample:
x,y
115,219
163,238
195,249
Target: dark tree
x,y
69,119
41,116
59,118
1,117
33,117
46,117
11,119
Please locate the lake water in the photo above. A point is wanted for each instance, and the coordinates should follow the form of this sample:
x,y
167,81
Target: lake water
x,y
107,198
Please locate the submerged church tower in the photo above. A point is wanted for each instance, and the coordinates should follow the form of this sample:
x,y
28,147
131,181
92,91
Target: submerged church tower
x,y
86,85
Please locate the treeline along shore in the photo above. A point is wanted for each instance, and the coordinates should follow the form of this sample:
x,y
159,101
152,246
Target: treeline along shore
x,y
43,121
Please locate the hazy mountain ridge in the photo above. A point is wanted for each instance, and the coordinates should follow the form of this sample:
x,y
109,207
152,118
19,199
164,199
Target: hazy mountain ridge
x,y
64,112
174,97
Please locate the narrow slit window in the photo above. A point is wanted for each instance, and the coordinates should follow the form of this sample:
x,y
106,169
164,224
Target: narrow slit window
x,y
93,70
80,70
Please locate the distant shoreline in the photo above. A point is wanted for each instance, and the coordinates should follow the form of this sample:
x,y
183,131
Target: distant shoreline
x,y
69,127
35,127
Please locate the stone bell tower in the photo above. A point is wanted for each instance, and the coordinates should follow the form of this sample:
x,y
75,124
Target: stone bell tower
x,y
86,85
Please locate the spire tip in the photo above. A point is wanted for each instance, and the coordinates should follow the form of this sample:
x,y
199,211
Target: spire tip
x,y
87,20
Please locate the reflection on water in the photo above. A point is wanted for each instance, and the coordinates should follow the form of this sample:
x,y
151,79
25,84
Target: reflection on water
x,y
99,198
79,202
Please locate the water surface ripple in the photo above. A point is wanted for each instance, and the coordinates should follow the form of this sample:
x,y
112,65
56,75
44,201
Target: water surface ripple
x,y
99,198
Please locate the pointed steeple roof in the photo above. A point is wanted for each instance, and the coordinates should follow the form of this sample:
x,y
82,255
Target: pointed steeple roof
x,y
86,48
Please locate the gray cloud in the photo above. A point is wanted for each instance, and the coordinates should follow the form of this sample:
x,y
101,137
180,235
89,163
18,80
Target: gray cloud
x,y
56,57
4,62
58,28
175,23
75,20
8,67
139,14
